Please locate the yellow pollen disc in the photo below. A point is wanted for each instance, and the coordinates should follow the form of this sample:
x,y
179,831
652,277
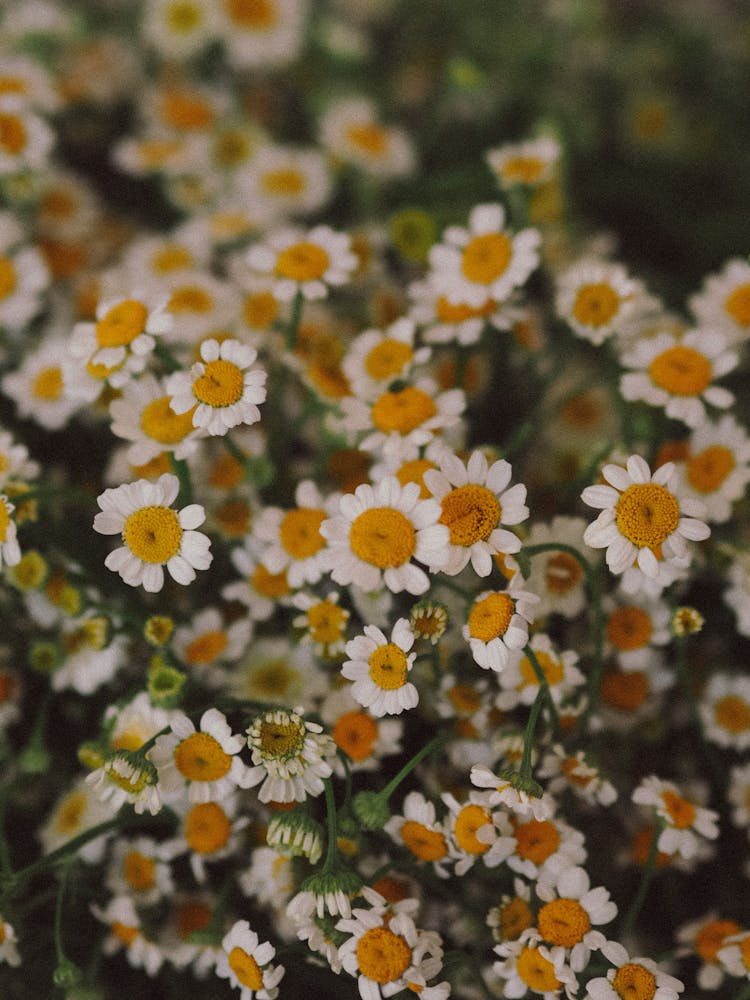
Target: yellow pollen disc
x,y
191,917
522,169
382,956
162,424
302,262
708,470
537,972
732,713
121,324
153,534
184,110
570,768
284,181
737,304
680,812
551,668
392,889
257,15
402,411
413,472
207,828
231,148
13,134
271,585
471,513
387,359
681,371
515,918
234,518
153,469
58,204
130,739
490,617
425,844
183,16
371,138
647,514
8,280
448,312
625,691
634,982
710,938
190,299
70,813
536,840
596,305
629,628
389,667
281,740
12,85
226,473
326,621
562,573
486,257
260,310
139,871
4,522
199,757
300,532
221,384
48,384
355,732
246,969
468,821
464,698
206,648
91,635
171,258
745,951
383,536
563,922
582,412
125,933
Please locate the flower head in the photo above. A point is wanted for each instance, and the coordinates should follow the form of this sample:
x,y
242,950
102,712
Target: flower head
x,y
290,756
380,669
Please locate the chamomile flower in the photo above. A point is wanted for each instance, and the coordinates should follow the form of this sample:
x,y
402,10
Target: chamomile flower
x,y
556,576
638,978
262,35
364,738
484,261
78,809
716,470
208,642
143,416
92,655
290,756
204,762
283,181
636,627
519,682
378,532
724,709
571,911
685,820
511,794
28,78
8,944
678,373
498,624
541,848
127,777
126,933
259,590
179,28
528,163
734,955
139,868
380,668
376,358
133,723
641,517
323,622
704,938
23,277
724,301
304,262
597,299
10,550
208,832
221,390
26,140
155,535
39,387
529,965
15,463
351,131
575,772
277,671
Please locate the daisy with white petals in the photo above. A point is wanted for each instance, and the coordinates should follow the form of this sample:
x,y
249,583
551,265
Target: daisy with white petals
x,y
289,755
498,623
685,820
155,535
716,470
596,299
143,416
724,301
380,668
246,963
10,550
633,977
304,262
8,939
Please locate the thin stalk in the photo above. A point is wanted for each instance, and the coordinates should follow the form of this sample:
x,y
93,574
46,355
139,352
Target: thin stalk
x,y
543,686
182,471
649,871
427,749
293,325
332,850
528,736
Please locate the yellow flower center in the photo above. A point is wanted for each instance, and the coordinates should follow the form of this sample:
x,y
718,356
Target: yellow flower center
x,y
326,622
490,617
8,280
737,304
207,828
681,371
387,359
132,738
121,324
125,933
185,110
70,813
155,152
246,969
647,514
139,871
515,918
732,713
471,513
199,757
383,536
413,472
171,258
271,585
184,15
300,532
153,469
231,148
537,972
153,534
634,982
629,628
708,470
260,310
563,922
91,635
234,518
403,411
192,916
302,262
710,938
13,134
522,169
355,732
371,138
680,812
465,699
625,691
48,383
562,573
206,648
257,15
221,384
190,299
281,740
596,304
469,820
425,844
486,257
449,312
382,956
226,472
389,667
551,667
284,181
162,424
536,840
4,521
641,848
12,85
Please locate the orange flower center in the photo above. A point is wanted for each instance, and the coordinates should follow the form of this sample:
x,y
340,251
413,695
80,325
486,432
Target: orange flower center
x,y
489,618
387,359
634,982
536,840
680,812
302,262
708,470
562,573
199,757
537,972
383,537
710,938
737,304
629,628
681,371
383,956
300,532
207,828
355,732
647,514
256,15
403,411
596,304
8,280
732,713
563,922
625,691
425,844
121,324
551,667
206,648
469,820
485,258
139,871
372,138
246,969
13,135
471,513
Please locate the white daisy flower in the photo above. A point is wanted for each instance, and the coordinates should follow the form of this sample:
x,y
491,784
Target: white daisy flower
x,y
10,550
571,910
208,642
634,977
351,131
246,963
443,321
323,622
375,358
203,762
277,671
178,29
92,657
541,849
135,722
737,594
597,298
259,590
575,772
556,576
635,628
527,965
8,944
24,277
724,301
678,373
516,799
364,739
519,683
704,939
40,386
15,463
716,470
379,531
154,534
685,820
498,623
26,140
142,415
304,261
283,181
724,709
221,390
125,777
125,932
77,810
199,303
208,832
476,832
530,163
263,35
380,667
289,754
475,504
484,261
641,518
139,868
29,79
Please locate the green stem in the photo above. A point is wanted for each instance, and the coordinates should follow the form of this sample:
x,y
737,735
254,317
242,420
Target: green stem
x,y
543,686
293,326
59,950
182,472
649,871
64,851
332,850
528,736
434,744
6,866
152,740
